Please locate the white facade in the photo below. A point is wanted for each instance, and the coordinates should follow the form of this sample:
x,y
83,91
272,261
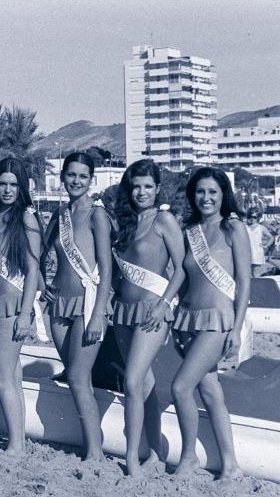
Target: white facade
x,y
257,146
170,107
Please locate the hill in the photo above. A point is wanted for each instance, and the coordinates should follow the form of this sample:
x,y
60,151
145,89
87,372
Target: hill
x,y
82,135
247,118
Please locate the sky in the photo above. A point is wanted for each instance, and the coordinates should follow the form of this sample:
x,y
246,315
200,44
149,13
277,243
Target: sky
x,y
63,59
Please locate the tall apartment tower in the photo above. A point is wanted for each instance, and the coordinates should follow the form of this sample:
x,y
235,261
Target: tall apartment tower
x,y
170,108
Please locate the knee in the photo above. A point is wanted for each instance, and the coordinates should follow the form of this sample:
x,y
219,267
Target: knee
x,y
7,383
211,393
133,386
75,380
180,390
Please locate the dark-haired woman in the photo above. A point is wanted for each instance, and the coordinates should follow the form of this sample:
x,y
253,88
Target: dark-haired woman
x,y
143,309
211,314
79,231
20,244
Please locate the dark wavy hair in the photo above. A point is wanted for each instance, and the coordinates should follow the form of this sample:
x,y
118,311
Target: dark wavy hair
x,y
229,204
82,158
124,208
16,244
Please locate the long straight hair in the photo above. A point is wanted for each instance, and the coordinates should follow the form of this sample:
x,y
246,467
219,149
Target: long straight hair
x,y
16,245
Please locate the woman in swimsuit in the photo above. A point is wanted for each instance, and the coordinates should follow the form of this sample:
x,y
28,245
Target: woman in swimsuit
x,y
20,243
80,234
143,310
211,314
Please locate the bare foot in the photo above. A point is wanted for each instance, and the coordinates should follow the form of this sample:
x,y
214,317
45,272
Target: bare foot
x,y
134,469
95,457
187,466
13,452
231,474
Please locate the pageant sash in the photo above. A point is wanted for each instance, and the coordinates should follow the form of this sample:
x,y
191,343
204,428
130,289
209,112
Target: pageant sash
x,y
142,277
89,278
215,273
17,281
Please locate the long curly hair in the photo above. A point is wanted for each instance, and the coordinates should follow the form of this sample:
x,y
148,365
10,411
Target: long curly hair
x,y
124,208
229,204
16,245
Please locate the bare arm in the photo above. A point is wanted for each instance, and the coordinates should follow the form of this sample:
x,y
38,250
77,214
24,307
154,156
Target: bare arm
x,y
268,238
173,239
242,263
174,242
22,325
101,229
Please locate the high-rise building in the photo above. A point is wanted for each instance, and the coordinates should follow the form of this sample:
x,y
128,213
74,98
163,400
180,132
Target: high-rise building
x,y
170,107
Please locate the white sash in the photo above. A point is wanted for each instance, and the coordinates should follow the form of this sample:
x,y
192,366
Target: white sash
x,y
89,279
17,281
215,273
142,277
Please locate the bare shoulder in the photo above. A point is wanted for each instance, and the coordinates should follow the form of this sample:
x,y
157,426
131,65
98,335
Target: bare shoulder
x,y
238,229
165,218
99,216
30,220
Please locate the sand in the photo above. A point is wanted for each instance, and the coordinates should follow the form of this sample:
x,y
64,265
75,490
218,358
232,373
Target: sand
x,y
58,471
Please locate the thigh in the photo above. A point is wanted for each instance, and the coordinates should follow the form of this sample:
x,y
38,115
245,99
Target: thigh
x,y
60,330
202,355
9,348
143,350
81,356
123,336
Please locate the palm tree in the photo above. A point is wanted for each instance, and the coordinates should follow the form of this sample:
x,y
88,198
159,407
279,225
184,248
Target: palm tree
x,y
17,135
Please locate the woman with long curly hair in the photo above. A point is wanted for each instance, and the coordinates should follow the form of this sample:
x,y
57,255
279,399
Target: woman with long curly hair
x,y
80,234
210,316
147,239
20,245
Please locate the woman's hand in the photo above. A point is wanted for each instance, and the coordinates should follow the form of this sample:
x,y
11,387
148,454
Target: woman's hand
x,y
22,326
96,329
49,294
155,317
232,346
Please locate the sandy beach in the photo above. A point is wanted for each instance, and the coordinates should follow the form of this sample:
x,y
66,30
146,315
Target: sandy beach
x,y
58,471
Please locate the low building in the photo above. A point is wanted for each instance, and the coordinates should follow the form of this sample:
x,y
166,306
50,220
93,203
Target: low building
x,y
250,147
55,193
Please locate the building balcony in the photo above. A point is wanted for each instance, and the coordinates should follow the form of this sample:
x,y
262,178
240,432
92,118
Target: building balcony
x,y
163,71
158,109
153,85
159,134
158,97
160,146
154,121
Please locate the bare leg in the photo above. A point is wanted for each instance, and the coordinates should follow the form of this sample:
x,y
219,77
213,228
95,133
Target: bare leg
x,y
19,379
60,329
201,358
81,359
143,350
152,413
213,398
11,396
